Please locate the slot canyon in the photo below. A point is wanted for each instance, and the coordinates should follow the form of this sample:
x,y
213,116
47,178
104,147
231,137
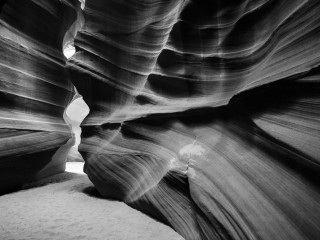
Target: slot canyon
x,y
199,119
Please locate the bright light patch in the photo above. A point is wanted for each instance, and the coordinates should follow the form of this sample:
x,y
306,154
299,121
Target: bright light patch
x,y
192,150
69,51
75,167
83,2
76,112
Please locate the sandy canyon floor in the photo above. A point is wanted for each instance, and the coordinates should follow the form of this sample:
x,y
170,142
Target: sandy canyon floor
x,y
67,206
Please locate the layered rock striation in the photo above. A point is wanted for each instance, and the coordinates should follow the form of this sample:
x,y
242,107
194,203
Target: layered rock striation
x,y
34,89
205,114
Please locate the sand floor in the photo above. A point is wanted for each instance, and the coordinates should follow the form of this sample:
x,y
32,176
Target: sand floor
x,y
67,206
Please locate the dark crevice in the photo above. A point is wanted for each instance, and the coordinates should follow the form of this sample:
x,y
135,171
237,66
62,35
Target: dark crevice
x,y
2,3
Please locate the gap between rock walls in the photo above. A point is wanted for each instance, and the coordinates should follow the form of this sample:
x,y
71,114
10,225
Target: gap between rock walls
x,y
77,109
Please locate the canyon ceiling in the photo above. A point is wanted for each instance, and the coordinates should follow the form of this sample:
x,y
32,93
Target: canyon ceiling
x,y
203,114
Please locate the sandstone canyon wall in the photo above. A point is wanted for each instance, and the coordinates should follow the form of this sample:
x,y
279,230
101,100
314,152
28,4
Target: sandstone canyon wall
x,y
34,89
205,114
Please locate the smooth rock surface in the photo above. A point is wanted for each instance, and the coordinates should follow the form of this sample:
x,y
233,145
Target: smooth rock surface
x,y
205,114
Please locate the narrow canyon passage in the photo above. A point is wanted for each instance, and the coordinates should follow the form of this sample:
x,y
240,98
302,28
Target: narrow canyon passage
x,y
74,114
157,119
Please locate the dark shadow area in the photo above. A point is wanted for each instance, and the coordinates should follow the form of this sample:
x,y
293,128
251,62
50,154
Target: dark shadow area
x,y
2,4
91,191
294,98
16,171
279,95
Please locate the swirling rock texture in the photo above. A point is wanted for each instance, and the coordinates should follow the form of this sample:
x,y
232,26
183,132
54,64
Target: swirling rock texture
x,y
205,114
34,89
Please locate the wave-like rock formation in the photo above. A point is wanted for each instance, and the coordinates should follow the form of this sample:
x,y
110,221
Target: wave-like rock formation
x,y
205,114
34,89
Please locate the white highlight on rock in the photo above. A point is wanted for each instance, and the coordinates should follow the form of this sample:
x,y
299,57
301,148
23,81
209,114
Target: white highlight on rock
x,y
191,173
190,155
174,163
191,150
